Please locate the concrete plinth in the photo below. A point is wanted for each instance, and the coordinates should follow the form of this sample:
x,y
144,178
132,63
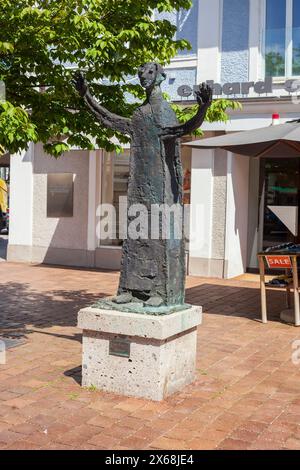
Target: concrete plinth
x,y
139,355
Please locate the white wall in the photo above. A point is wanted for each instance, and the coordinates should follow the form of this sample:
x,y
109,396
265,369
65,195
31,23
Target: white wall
x,y
33,236
255,37
209,38
215,251
236,238
69,232
21,197
201,203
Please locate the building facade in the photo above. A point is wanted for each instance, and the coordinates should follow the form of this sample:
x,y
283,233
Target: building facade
x,y
248,50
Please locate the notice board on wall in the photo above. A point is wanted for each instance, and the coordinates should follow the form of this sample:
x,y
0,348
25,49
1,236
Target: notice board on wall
x,y
60,195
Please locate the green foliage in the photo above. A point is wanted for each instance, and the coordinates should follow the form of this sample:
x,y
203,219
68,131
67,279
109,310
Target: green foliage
x,y
15,127
43,41
92,388
275,64
216,112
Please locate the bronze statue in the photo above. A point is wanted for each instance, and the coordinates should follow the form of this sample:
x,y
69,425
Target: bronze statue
x,y
153,271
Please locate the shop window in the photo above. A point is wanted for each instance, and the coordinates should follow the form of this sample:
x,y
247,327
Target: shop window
x,y
115,174
114,184
279,180
282,38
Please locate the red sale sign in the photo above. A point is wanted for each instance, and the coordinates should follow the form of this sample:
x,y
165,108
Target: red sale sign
x,y
279,262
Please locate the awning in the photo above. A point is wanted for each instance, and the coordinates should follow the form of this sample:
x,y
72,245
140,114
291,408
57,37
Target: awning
x,y
280,141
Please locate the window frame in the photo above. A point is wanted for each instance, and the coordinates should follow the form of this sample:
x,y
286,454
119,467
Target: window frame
x,y
288,42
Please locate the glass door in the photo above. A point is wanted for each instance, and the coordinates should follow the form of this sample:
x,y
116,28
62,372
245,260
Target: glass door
x,y
279,201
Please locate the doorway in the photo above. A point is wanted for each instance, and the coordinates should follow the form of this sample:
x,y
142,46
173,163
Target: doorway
x,y
279,201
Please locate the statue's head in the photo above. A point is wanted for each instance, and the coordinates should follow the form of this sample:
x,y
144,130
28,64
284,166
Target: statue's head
x,y
151,74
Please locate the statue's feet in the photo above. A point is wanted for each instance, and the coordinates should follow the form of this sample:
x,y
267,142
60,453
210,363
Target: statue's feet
x,y
154,301
125,298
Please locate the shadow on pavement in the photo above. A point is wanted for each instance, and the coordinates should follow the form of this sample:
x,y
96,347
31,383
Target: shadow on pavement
x,y
75,373
237,301
22,309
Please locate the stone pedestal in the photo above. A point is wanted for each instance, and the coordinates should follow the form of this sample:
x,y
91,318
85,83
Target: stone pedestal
x,y
139,355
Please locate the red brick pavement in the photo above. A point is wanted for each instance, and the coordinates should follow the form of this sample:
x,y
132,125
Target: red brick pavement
x,y
246,394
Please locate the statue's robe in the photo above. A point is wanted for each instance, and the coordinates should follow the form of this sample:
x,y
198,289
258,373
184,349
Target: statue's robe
x,y
154,267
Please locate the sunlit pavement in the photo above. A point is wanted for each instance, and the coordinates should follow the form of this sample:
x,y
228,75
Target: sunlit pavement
x,y
246,394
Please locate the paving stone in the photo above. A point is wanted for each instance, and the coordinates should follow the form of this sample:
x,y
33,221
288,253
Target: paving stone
x,y
246,394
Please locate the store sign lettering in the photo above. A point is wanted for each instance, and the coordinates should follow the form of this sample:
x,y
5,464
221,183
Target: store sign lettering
x,y
240,88
277,262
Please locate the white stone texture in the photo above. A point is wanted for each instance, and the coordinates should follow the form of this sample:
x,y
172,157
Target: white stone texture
x,y
162,351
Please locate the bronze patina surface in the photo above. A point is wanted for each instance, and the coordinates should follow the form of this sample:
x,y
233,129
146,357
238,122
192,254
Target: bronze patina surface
x,y
153,271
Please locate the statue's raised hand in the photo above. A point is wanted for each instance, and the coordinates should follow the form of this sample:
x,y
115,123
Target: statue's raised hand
x,y
103,115
204,95
80,83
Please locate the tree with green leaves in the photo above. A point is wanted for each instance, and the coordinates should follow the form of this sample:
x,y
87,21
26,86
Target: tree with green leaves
x,y
42,42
